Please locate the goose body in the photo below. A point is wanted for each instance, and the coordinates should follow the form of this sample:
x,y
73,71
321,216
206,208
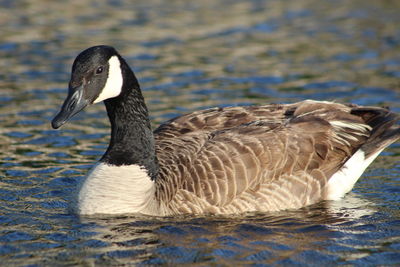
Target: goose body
x,y
220,160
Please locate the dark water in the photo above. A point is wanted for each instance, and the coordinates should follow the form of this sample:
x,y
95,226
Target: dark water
x,y
190,55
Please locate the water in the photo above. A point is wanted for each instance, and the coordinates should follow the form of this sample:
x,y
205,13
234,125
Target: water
x,y
187,56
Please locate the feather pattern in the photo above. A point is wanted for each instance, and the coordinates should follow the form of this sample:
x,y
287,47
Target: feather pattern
x,y
257,158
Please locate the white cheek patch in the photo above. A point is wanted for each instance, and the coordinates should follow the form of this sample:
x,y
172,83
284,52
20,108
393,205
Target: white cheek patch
x,y
114,81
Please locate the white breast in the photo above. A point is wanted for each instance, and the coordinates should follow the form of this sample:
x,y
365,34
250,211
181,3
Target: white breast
x,y
112,189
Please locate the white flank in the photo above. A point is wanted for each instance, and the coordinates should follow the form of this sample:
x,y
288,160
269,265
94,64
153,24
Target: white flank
x,y
114,81
110,189
343,180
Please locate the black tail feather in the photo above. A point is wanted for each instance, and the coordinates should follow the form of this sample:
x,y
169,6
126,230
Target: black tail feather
x,y
385,128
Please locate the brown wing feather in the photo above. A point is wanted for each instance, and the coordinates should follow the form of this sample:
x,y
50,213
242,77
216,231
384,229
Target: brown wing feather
x,y
215,119
256,158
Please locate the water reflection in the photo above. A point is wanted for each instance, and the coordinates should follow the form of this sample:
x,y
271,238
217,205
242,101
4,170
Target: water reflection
x,y
352,207
281,238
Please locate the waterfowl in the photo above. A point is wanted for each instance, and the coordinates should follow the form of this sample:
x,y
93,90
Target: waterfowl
x,y
220,160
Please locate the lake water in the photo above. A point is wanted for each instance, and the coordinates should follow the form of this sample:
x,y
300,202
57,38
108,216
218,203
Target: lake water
x,y
190,55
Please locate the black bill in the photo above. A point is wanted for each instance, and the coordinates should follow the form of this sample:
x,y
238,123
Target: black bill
x,y
74,103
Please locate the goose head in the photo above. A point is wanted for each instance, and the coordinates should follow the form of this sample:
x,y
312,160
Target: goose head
x,y
96,76
100,74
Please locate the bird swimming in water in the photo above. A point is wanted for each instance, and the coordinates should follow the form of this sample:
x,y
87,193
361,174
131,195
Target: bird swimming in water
x,y
221,160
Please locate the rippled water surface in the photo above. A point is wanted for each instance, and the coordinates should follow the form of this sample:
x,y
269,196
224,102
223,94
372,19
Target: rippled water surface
x,y
190,55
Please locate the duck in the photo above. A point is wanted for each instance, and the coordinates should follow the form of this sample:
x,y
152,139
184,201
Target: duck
x,y
222,160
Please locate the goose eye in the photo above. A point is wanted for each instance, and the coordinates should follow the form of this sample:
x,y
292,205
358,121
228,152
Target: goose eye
x,y
99,70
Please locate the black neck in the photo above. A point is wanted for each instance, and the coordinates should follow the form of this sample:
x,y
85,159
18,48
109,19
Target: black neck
x,y
132,140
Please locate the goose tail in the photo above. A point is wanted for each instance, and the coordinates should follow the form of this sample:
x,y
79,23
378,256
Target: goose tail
x,y
385,128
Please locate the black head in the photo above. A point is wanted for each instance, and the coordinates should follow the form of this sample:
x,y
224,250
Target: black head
x,y
96,76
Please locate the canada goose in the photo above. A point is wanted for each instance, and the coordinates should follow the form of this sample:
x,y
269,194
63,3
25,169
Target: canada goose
x,y
218,160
